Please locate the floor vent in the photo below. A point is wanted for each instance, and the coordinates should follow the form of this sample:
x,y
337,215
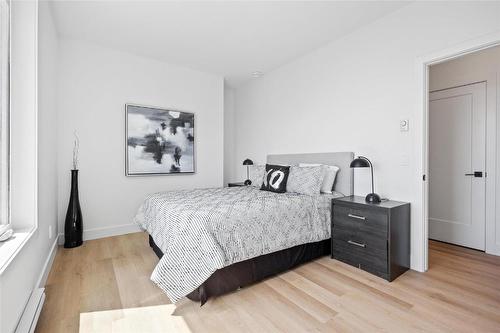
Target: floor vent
x,y
28,321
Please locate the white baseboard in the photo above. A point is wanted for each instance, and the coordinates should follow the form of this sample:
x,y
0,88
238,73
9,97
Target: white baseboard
x,y
110,231
60,239
97,233
44,274
493,250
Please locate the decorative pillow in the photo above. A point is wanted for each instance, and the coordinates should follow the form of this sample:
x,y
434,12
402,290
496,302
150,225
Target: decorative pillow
x,y
256,174
305,180
329,175
275,178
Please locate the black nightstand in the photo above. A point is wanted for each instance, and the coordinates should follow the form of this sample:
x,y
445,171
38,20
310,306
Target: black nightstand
x,y
235,184
372,237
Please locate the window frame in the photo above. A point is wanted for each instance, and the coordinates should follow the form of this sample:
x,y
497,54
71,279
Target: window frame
x,y
23,129
4,112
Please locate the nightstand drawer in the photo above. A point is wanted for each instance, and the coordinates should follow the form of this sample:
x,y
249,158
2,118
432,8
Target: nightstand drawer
x,y
349,222
360,217
371,237
368,258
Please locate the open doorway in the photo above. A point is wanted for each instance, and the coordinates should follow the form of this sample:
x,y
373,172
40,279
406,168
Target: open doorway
x,y
462,150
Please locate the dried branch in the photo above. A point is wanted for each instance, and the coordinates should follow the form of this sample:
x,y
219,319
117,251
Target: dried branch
x,y
76,148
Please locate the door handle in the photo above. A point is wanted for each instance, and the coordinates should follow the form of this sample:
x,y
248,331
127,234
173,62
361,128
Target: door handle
x,y
478,174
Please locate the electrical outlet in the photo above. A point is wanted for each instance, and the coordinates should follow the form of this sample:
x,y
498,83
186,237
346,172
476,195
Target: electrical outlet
x,y
50,232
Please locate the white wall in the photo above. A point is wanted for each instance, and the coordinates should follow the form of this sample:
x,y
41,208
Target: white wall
x,y
229,134
48,56
94,85
477,67
22,275
351,94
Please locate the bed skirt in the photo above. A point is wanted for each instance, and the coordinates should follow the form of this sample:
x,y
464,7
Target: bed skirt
x,y
244,273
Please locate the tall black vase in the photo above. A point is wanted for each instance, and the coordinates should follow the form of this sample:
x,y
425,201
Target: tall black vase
x,y
73,225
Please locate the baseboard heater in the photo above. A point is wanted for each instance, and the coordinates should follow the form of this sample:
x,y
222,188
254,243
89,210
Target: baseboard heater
x,y
28,321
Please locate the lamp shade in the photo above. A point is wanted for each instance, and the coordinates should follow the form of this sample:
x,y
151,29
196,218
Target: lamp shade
x,y
360,163
248,162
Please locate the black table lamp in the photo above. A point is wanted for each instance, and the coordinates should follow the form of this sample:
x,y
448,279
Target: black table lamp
x,y
248,162
363,162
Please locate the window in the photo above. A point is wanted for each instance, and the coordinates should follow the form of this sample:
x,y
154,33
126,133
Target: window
x,y
4,110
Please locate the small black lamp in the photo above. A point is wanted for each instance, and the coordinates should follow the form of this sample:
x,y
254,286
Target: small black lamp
x,y
363,162
248,162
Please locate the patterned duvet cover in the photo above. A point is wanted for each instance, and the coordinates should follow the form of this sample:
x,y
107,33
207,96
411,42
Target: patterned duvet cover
x,y
201,231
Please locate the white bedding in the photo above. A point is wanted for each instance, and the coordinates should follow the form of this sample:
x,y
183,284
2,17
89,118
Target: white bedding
x,y
201,231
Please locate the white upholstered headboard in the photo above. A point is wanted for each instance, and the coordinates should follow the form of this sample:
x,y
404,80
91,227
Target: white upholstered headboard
x,y
344,181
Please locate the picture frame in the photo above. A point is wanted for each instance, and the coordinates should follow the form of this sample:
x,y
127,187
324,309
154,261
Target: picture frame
x,y
158,141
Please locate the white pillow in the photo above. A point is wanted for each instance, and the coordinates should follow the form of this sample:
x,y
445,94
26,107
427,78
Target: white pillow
x,y
330,173
256,174
305,180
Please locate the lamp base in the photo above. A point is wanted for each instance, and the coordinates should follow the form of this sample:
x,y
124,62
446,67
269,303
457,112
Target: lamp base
x,y
247,182
372,198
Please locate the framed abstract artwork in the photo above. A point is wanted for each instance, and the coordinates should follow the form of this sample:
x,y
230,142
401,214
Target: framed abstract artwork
x,y
158,141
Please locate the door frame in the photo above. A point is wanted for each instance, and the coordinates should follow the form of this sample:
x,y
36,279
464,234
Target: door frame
x,y
422,129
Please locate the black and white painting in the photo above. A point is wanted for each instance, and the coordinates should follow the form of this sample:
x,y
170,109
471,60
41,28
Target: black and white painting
x,y
159,141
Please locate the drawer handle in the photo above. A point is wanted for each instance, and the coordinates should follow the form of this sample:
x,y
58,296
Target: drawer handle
x,y
357,217
356,243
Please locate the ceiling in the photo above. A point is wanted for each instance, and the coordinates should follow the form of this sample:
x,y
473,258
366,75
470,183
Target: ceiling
x,y
230,39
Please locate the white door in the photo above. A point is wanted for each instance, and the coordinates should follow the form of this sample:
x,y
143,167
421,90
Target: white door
x,y
457,161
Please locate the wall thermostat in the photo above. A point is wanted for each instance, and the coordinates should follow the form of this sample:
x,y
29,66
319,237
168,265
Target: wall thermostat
x,y
404,125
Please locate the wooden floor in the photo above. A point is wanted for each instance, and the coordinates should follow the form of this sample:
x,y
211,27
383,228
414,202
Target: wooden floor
x,y
459,293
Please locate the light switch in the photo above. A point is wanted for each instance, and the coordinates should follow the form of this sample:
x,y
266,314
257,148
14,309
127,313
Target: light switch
x,y
404,125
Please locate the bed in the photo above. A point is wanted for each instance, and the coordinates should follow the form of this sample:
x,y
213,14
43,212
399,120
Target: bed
x,y
213,241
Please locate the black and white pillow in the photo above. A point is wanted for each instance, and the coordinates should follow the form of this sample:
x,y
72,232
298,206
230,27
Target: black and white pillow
x,y
256,174
305,180
275,178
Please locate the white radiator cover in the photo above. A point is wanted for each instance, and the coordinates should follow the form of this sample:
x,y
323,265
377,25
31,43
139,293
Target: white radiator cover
x,y
28,321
